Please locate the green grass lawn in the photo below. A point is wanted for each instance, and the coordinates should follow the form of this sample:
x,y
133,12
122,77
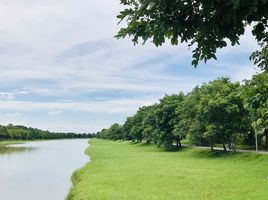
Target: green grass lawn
x,y
127,171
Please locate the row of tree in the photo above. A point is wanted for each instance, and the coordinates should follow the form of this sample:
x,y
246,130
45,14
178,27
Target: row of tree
x,y
219,112
16,132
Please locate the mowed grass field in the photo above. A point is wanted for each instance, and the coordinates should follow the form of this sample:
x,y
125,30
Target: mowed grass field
x,y
127,171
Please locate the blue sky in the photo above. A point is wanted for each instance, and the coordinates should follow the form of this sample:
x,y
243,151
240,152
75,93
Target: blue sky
x,y
62,69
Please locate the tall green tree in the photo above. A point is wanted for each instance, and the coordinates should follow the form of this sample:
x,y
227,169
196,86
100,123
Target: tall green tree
x,y
126,128
137,127
178,122
116,132
192,119
221,109
206,25
166,120
256,101
149,123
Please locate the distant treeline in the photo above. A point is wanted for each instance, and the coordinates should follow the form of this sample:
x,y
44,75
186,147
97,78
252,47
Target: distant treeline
x,y
220,111
17,132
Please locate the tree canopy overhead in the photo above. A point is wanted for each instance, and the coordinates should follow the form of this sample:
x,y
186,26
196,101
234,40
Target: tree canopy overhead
x,y
206,25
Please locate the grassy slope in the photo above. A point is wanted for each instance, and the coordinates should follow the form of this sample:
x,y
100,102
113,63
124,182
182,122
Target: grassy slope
x,y
121,170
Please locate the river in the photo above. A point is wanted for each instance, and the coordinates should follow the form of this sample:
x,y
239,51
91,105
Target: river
x,y
40,170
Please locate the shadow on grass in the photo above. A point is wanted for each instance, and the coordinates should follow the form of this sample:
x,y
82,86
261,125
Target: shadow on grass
x,y
140,144
206,153
200,153
157,147
229,155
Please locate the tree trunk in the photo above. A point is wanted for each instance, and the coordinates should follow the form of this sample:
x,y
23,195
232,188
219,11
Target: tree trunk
x,y
234,147
224,147
266,137
179,143
211,146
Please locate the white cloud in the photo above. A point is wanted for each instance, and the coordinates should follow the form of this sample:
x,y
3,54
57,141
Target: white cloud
x,y
125,106
7,96
55,112
57,24
58,56
16,114
244,73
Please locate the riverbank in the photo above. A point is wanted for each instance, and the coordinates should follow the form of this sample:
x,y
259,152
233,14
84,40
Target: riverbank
x,y
123,170
9,142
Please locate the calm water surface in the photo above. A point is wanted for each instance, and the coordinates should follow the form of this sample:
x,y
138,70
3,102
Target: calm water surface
x,y
40,170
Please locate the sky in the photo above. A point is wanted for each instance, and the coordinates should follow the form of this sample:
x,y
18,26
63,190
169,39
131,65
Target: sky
x,y
61,69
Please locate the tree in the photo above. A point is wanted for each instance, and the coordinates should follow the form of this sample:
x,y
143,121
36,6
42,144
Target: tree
x,y
116,131
127,128
220,110
136,129
214,113
149,125
191,118
18,132
166,121
3,132
256,102
178,122
206,25
261,57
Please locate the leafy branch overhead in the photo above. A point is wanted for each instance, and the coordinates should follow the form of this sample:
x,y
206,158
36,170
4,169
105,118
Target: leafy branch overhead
x,y
205,25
